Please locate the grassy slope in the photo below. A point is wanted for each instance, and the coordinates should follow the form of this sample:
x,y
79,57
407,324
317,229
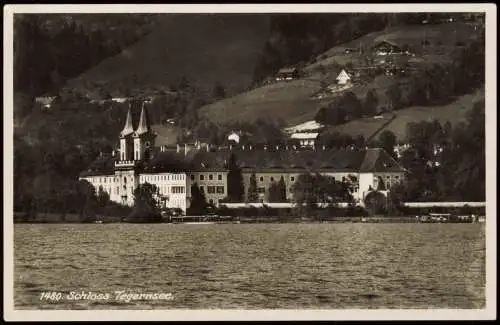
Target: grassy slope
x,y
206,48
292,101
454,113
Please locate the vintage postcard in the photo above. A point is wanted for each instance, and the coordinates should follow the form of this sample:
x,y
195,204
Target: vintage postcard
x,y
250,162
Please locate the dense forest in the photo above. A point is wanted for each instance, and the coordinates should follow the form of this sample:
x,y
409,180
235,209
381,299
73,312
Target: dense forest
x,y
51,49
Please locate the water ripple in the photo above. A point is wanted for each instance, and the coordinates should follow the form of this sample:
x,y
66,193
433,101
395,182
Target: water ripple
x,y
254,266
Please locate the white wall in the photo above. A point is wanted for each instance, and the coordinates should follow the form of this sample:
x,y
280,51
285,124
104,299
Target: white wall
x,y
172,188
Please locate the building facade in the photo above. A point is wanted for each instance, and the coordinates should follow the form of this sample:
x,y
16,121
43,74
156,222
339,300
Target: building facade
x,y
174,172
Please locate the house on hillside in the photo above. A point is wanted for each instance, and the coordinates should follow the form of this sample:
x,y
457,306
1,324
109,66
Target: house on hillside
x,y
343,77
235,136
45,101
387,48
305,139
120,99
288,74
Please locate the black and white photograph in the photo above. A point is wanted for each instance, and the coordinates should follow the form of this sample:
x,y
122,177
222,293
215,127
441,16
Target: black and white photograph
x,y
227,162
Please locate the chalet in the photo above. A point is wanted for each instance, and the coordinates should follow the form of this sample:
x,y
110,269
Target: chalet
x,y
349,50
305,139
343,77
45,101
234,136
288,74
387,48
120,99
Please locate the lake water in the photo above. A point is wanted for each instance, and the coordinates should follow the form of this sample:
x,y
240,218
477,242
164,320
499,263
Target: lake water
x,y
252,266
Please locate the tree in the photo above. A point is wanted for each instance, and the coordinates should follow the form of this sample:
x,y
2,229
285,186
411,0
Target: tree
x,y
102,197
252,194
219,91
282,190
388,142
235,187
198,201
376,202
371,103
277,191
395,97
350,104
146,204
381,184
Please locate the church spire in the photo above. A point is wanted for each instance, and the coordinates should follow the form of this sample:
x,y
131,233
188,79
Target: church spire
x,y
144,126
128,128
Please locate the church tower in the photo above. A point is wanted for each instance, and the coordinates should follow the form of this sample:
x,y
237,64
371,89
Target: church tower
x,y
126,137
143,136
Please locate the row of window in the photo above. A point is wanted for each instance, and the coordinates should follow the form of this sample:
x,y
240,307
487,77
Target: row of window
x,y
177,189
210,177
170,177
213,189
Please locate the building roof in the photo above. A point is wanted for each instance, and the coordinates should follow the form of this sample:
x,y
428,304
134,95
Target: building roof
x,y
343,75
46,100
343,160
137,119
378,160
305,135
144,123
103,165
391,43
288,70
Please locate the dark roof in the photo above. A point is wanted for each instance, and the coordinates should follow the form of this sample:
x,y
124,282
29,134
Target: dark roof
x,y
378,160
344,160
103,165
288,70
384,42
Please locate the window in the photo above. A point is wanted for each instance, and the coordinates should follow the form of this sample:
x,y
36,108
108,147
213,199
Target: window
x,y
272,179
202,177
211,177
261,190
388,177
292,178
219,177
211,201
261,179
220,189
396,177
192,177
202,189
177,189
210,189
104,180
117,189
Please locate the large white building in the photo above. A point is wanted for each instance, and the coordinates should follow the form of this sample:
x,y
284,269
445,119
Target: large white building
x,y
173,172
